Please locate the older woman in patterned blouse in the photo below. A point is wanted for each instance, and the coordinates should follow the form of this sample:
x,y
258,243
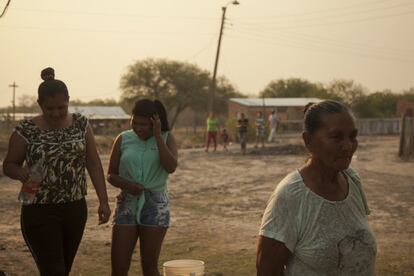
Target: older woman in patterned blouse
x,y
62,145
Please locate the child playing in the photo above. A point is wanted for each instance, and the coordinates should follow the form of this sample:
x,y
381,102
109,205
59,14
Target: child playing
x,y
225,137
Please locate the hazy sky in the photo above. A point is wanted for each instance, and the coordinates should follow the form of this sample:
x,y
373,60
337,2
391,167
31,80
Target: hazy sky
x,y
91,43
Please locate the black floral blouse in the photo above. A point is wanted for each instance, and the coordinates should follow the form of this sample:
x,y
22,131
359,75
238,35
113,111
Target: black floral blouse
x,y
61,153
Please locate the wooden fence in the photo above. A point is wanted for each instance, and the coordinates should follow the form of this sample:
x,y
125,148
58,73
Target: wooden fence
x,y
384,126
387,126
407,137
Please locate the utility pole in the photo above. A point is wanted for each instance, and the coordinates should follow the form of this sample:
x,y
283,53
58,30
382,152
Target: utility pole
x,y
213,82
264,106
14,85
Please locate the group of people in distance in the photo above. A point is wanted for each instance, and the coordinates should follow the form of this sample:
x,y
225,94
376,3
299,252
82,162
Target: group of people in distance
x,y
315,222
242,126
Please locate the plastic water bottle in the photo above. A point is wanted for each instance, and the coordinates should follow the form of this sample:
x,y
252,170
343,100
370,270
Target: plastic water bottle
x,y
29,190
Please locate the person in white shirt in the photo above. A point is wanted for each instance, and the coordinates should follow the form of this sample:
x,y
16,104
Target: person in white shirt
x,y
272,122
315,223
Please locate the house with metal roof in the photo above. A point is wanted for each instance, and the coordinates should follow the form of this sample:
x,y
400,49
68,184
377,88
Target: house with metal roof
x,y
100,112
287,109
104,119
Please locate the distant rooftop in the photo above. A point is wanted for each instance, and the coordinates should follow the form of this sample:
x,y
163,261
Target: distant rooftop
x,y
275,101
18,116
100,112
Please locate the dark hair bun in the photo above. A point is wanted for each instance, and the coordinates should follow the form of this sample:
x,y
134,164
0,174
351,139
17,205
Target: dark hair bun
x,y
48,74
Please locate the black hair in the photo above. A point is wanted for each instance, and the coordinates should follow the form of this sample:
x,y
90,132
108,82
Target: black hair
x,y
147,108
313,113
50,87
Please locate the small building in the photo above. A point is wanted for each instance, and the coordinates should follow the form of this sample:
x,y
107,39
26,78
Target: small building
x,y
104,119
287,109
17,116
405,108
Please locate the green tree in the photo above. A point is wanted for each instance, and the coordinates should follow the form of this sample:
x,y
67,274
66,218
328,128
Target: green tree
x,y
294,88
178,85
377,105
347,91
27,104
408,95
98,102
224,91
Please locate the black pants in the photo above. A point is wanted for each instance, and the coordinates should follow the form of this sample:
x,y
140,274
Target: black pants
x,y
53,233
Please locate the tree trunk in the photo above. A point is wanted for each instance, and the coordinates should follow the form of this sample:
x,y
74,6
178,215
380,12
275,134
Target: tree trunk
x,y
179,108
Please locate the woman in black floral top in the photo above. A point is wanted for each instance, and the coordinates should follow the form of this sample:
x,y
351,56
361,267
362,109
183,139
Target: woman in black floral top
x,y
62,144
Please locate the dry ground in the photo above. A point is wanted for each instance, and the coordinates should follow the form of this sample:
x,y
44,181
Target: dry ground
x,y
217,200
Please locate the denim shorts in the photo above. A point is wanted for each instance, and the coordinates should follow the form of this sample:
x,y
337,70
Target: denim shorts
x,y
154,212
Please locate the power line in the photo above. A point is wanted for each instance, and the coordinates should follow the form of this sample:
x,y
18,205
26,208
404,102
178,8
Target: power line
x,y
315,48
321,47
135,16
325,41
208,45
309,24
100,31
339,10
5,8
330,23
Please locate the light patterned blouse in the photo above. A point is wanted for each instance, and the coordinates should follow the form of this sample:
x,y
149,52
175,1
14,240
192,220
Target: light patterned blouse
x,y
61,153
325,237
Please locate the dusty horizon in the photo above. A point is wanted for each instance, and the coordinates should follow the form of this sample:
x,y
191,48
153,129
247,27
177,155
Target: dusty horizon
x,y
90,44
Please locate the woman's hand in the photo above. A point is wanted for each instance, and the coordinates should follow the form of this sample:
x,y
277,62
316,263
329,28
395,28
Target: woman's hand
x,y
156,125
23,175
104,212
135,189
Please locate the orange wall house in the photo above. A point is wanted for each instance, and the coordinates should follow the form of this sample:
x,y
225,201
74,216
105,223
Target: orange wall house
x,y
404,107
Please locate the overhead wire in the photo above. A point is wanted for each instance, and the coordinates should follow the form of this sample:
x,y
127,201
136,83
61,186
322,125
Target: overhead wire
x,y
350,17
204,48
100,31
283,40
5,9
274,33
330,12
328,41
310,24
135,16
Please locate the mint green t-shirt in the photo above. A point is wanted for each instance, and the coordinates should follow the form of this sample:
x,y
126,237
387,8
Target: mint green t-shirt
x,y
140,163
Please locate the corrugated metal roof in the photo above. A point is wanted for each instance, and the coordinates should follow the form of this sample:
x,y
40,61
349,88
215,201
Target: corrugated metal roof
x,y
275,101
18,116
100,112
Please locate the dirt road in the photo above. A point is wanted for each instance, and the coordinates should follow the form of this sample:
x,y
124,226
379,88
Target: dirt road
x,y
217,200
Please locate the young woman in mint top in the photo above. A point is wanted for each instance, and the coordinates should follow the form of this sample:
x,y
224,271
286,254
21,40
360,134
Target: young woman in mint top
x,y
63,146
141,160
